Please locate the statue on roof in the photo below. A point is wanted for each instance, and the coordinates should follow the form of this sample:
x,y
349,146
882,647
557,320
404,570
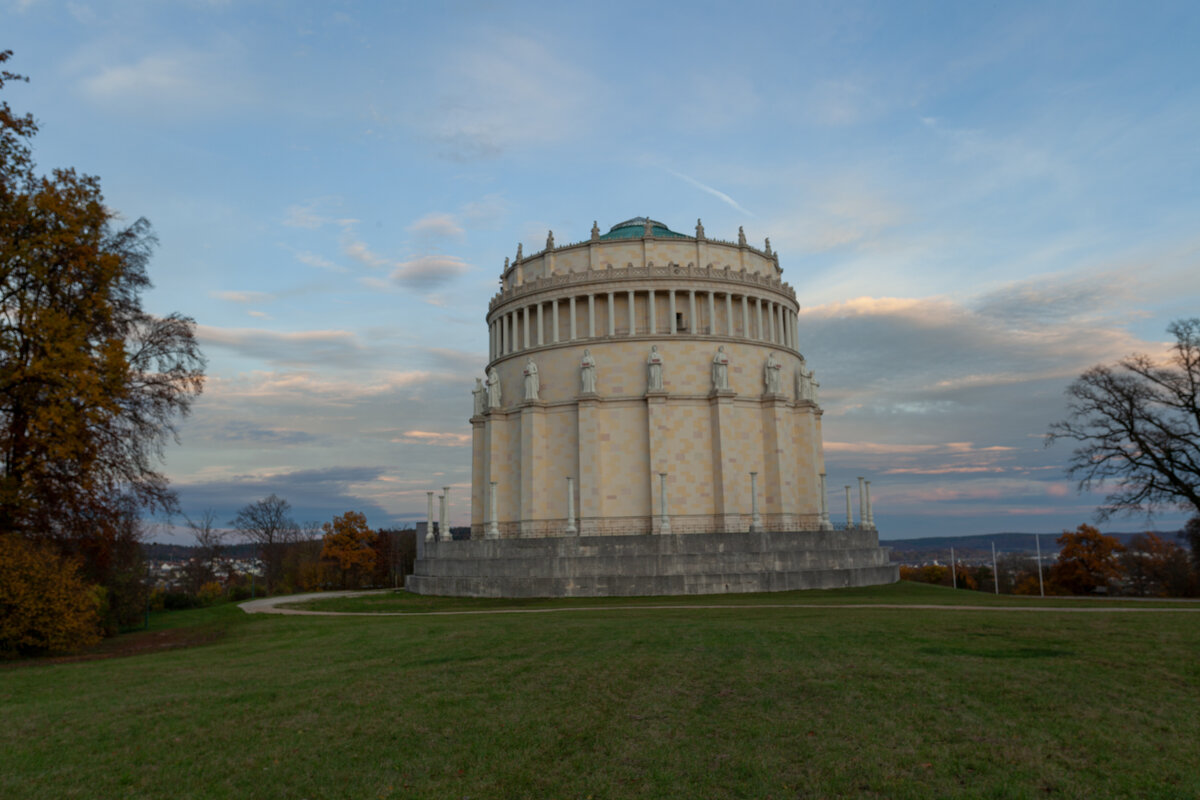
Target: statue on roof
x,y
741,236
648,228
549,240
595,231
768,247
699,229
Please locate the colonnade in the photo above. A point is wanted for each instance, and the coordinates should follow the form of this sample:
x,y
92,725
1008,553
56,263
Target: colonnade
x,y
761,319
492,528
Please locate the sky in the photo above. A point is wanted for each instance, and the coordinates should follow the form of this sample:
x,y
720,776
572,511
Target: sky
x,y
974,203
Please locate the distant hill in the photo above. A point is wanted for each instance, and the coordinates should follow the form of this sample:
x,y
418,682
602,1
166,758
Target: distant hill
x,y
981,544
155,551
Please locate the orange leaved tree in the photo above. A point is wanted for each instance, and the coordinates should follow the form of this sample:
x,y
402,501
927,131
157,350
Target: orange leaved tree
x,y
348,543
44,605
1087,560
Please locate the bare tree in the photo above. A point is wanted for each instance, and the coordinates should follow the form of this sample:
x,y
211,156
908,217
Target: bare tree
x,y
268,523
1137,426
210,545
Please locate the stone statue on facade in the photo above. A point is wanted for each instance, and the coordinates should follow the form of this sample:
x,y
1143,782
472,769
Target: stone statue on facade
x,y
772,375
741,236
587,372
654,370
479,394
549,240
720,370
806,385
595,231
531,380
699,230
493,388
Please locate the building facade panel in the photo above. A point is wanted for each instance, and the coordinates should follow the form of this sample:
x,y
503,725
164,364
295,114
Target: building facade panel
x,y
690,301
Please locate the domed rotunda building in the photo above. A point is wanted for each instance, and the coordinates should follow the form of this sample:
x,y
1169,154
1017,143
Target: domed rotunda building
x,y
648,425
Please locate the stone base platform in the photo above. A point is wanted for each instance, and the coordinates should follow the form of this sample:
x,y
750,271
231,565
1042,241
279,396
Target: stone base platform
x,y
646,565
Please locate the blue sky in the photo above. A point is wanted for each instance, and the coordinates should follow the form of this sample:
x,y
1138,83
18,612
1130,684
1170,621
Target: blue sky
x,y
974,204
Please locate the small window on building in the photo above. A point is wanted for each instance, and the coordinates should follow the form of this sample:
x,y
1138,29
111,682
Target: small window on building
x,y
679,323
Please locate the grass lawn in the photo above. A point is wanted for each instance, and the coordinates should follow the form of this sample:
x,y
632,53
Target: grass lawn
x,y
727,702
401,602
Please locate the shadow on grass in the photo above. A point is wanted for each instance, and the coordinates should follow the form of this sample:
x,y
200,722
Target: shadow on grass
x,y
169,630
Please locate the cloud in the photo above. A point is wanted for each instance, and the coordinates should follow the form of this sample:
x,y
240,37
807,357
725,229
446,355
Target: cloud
x,y
244,431
363,254
724,198
425,273
83,14
316,213
315,494
314,260
299,348
848,210
435,439
443,226
486,212
489,92
180,81
944,401
243,297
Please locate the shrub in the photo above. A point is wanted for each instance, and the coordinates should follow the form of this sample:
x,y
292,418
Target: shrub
x,y
210,593
180,601
239,593
44,606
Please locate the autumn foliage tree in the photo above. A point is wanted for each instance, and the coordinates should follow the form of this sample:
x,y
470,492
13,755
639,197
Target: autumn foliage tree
x,y
91,385
1155,567
1087,561
349,544
45,606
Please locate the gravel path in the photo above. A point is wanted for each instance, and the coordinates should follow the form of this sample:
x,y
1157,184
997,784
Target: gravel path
x,y
270,605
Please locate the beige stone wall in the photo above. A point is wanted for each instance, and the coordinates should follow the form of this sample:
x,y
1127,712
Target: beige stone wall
x,y
584,256
616,442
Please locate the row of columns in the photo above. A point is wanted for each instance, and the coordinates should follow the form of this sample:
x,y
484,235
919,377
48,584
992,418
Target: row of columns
x,y
526,327
492,530
444,502
866,516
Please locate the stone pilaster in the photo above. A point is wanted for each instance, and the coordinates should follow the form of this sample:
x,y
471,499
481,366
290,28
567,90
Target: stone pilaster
x,y
658,421
591,464
726,470
774,481
498,467
479,498
533,477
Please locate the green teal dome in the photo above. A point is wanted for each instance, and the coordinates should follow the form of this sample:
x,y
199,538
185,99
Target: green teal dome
x,y
635,228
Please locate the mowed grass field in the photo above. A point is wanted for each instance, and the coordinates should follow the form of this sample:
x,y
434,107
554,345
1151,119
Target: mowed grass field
x,y
627,703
